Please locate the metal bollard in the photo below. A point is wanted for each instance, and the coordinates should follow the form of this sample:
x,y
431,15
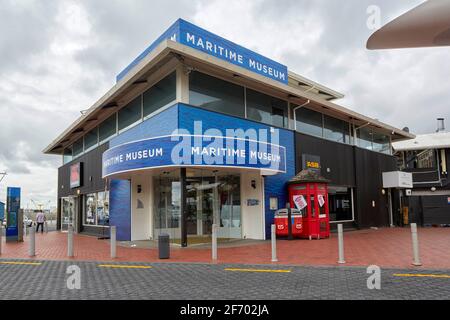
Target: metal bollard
x,y
214,242
341,243
25,229
32,247
274,243
415,245
70,242
113,242
45,226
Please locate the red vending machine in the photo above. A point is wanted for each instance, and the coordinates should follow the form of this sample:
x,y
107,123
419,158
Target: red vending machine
x,y
308,192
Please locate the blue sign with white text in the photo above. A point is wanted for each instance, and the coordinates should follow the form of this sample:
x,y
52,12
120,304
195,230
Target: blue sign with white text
x,y
195,37
2,211
194,150
12,211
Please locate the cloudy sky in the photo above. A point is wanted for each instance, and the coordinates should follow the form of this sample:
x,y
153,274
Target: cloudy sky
x,y
59,57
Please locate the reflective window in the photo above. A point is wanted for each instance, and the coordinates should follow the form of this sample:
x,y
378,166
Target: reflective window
x,y
309,122
131,113
266,109
77,147
160,94
107,128
364,138
96,209
90,209
381,143
216,94
67,155
91,139
335,129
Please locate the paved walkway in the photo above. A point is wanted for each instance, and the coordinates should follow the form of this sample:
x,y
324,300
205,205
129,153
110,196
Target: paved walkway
x,y
384,247
57,280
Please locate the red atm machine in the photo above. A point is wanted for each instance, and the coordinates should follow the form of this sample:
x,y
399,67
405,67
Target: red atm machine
x,y
308,192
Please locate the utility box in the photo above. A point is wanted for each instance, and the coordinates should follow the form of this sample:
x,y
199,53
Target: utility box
x,y
397,179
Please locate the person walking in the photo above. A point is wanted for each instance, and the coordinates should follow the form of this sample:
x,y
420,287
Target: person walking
x,y
40,220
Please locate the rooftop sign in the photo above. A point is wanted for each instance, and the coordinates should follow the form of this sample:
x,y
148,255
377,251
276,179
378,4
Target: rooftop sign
x,y
195,37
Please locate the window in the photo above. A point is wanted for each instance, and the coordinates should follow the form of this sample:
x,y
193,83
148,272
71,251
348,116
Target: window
x,y
364,138
130,113
309,122
91,139
77,148
96,209
107,128
216,95
67,155
160,94
266,109
103,208
335,129
381,143
90,212
426,159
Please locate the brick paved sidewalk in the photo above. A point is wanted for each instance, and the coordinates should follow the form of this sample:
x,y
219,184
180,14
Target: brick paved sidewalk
x,y
384,247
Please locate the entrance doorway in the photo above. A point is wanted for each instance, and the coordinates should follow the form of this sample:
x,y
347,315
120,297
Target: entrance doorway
x,y
68,212
212,197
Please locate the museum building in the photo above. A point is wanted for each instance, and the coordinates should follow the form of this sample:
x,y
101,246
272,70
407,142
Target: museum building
x,y
199,131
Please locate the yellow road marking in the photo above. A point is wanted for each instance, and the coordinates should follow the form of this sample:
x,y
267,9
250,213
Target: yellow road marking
x,y
22,263
257,270
123,266
446,276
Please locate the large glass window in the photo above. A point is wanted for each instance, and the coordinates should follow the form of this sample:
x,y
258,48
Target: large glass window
x,y
96,209
309,122
67,155
266,109
216,94
91,139
107,128
160,94
90,209
131,113
335,129
77,147
364,138
381,143
340,203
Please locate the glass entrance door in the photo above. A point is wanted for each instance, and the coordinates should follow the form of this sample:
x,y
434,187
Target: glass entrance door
x,y
68,210
213,197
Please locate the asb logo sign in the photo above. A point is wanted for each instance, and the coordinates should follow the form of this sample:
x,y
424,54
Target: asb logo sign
x,y
205,41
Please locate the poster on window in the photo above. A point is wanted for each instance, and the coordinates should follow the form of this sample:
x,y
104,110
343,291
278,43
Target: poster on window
x,y
300,202
321,200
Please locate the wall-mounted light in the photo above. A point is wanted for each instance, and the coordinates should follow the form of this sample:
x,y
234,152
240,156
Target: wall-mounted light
x,y
433,189
383,192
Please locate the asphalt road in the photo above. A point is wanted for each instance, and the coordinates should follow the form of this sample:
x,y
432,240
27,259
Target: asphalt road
x,y
48,280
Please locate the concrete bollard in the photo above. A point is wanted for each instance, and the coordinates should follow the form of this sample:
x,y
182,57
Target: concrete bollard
x,y
273,238
113,242
70,242
341,243
32,243
214,242
415,245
